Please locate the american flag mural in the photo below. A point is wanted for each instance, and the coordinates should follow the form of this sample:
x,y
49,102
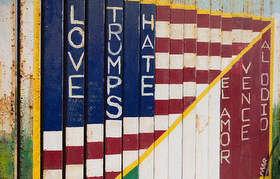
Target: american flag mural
x,y
140,89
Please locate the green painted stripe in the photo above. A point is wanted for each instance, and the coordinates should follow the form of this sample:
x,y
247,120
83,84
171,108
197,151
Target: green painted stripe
x,y
133,174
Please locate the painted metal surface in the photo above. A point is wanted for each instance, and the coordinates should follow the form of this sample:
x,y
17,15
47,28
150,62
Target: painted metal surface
x,y
143,89
8,144
26,27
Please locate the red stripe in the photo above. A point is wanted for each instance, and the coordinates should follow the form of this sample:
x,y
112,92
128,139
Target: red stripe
x,y
215,49
176,46
177,16
237,22
158,133
213,74
257,25
202,48
236,48
130,141
162,45
247,23
52,160
190,16
176,76
146,140
74,155
189,74
215,22
111,175
161,107
189,45
162,13
175,106
188,100
265,23
161,76
113,145
226,24
95,150
202,76
226,51
203,20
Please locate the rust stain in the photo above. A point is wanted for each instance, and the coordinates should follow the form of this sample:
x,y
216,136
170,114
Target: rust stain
x,y
201,123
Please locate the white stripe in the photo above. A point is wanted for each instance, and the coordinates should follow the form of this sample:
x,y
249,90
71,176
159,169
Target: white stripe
x,y
175,151
162,60
94,167
225,63
161,160
176,31
176,61
214,133
202,62
215,35
50,174
146,168
215,63
172,118
202,135
95,132
189,135
226,37
203,34
247,36
113,128
237,35
161,91
189,88
255,34
162,29
74,171
189,60
113,163
176,91
200,88
129,157
190,31
130,125
146,124
161,122
52,140
74,136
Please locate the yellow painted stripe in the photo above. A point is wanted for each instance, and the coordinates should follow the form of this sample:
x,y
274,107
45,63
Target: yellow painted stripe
x,y
162,3
216,13
271,92
226,15
257,17
203,11
177,6
235,14
36,91
192,106
190,7
148,1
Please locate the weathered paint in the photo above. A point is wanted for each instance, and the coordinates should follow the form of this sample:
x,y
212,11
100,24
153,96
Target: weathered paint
x,y
8,145
131,85
26,28
207,55
114,88
94,66
52,93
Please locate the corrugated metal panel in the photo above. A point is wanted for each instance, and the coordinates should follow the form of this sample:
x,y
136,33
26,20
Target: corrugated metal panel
x,y
142,89
8,146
